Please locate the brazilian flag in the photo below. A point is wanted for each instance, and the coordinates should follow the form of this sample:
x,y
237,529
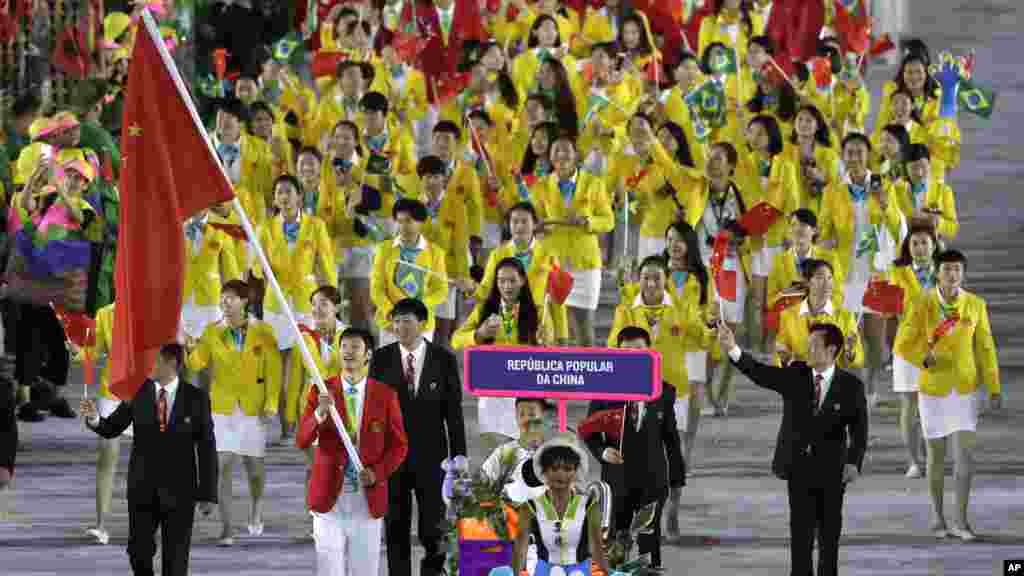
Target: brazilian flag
x,y
722,61
978,100
290,50
707,101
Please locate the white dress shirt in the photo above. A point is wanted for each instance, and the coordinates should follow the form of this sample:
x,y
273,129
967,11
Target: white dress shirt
x,y
420,354
172,391
826,381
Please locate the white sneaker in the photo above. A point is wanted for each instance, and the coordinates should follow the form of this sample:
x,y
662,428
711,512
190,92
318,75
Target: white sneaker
x,y
963,532
225,542
914,472
256,529
101,536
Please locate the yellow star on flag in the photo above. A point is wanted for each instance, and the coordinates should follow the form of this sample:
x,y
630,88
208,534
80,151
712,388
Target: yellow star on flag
x,y
134,130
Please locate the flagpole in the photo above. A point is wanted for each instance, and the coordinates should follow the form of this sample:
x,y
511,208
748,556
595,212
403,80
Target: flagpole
x,y
250,233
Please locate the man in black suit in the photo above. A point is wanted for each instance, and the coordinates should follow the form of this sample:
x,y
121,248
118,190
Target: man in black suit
x,y
173,463
649,459
426,377
821,442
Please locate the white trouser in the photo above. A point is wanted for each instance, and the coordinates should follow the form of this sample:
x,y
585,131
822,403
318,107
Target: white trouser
x,y
347,539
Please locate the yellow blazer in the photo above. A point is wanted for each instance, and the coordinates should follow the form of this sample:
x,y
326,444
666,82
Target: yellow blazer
x,y
938,196
623,101
677,111
407,95
327,358
465,336
295,266
782,191
401,154
962,357
207,270
597,29
642,179
827,160
104,336
689,297
385,293
942,136
465,184
837,223
905,278
250,378
714,29
448,231
256,186
572,244
784,273
542,261
847,110
669,337
332,108
794,332
526,70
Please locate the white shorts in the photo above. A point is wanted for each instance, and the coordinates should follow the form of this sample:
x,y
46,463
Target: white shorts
x,y
941,416
357,263
286,337
347,540
446,310
650,246
904,375
761,263
682,411
498,416
240,434
387,337
586,289
195,319
492,235
697,366
106,407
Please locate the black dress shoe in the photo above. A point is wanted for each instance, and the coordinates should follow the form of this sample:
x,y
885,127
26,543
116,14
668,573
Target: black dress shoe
x,y
61,409
29,413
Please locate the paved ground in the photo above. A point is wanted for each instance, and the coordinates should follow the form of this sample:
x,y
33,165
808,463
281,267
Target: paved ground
x,y
734,512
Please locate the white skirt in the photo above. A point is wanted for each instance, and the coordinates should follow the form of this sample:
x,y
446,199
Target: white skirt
x,y
941,416
650,246
904,375
106,407
498,416
286,337
240,434
357,263
762,262
681,408
446,310
195,319
697,366
586,289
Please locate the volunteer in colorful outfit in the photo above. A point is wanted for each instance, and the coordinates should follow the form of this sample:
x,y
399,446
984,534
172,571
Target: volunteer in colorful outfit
x,y
445,228
924,197
245,384
770,178
947,335
862,224
564,523
509,316
107,451
691,286
810,150
915,273
392,281
575,208
795,322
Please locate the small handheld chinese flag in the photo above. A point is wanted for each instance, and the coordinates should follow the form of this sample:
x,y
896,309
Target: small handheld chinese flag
x,y
759,218
725,280
884,297
607,422
788,297
559,284
326,63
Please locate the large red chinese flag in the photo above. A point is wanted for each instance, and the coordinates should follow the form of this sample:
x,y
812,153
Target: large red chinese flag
x,y
169,173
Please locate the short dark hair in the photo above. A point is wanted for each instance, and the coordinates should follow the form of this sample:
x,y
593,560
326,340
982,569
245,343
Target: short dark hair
x,y
559,455
374,102
361,333
411,306
524,206
412,207
805,216
329,292
27,103
856,137
915,152
234,107
951,256
447,126
172,351
237,287
633,333
288,179
812,265
430,165
832,334
352,126
259,106
655,260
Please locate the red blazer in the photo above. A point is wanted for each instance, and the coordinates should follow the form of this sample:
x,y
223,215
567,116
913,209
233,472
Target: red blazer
x,y
382,445
439,60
